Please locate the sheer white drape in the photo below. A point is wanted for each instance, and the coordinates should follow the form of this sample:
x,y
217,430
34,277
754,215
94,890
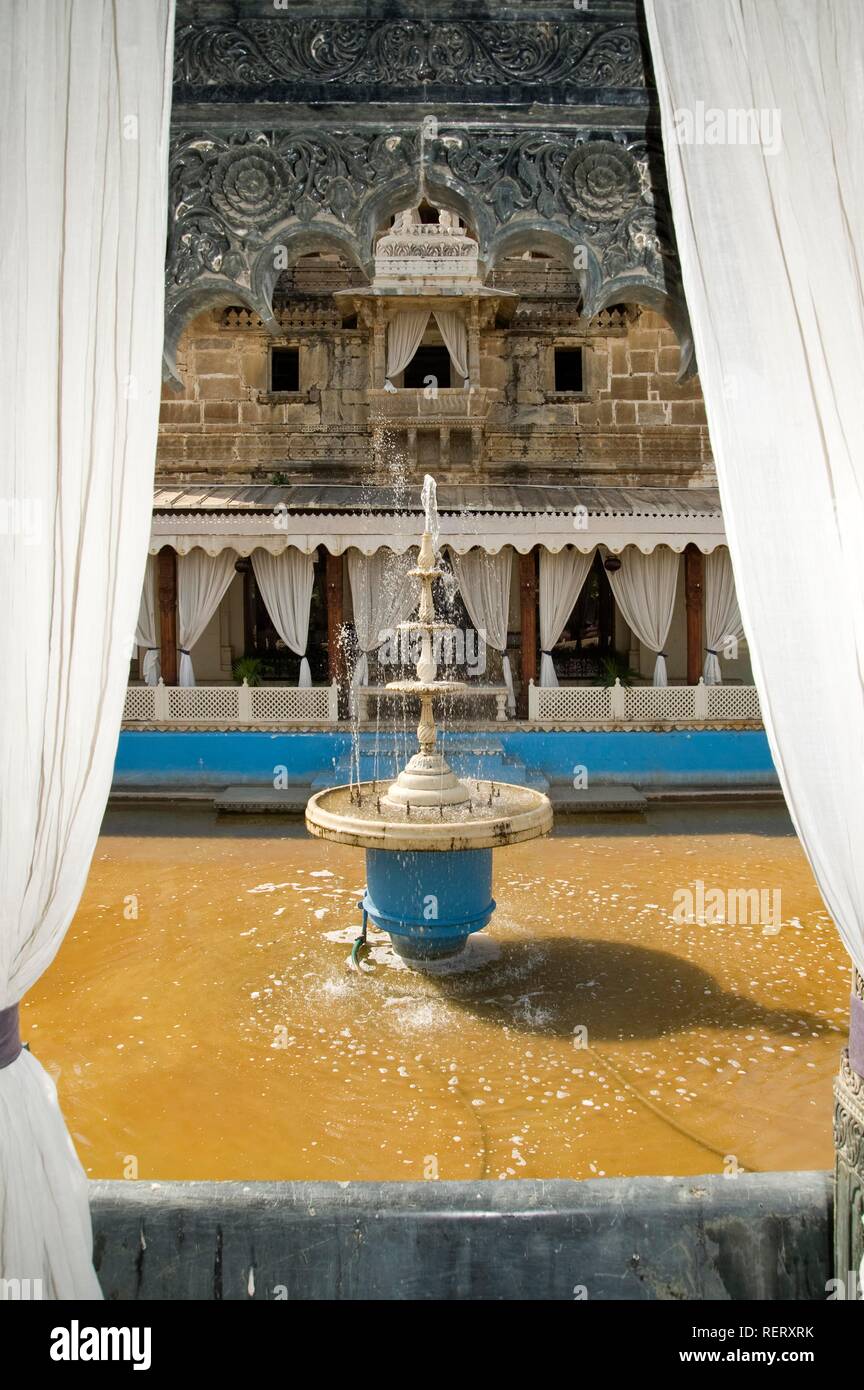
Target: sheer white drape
x,y
722,614
484,583
201,584
81,284
561,580
404,336
644,590
146,635
771,243
455,335
286,582
382,597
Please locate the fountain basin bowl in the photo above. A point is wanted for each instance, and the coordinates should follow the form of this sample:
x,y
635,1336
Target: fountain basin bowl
x,y
497,814
429,903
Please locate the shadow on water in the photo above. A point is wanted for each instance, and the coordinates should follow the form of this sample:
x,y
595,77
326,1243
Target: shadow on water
x,y
617,992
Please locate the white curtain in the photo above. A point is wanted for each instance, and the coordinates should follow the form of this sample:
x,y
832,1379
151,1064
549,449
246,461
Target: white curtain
x,y
382,597
644,589
146,635
286,582
201,584
404,336
85,88
561,579
771,242
455,335
722,614
484,583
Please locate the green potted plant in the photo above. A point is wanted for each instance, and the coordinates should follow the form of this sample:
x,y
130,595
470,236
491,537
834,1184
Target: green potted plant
x,y
248,669
614,667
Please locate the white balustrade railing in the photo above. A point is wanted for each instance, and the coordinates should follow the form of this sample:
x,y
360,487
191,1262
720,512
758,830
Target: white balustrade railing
x,y
218,705
643,704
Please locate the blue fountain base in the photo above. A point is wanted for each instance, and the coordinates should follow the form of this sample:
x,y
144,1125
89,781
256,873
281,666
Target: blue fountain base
x,y
429,901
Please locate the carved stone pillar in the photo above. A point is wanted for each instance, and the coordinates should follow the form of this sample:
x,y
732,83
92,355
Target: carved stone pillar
x,y
474,343
528,640
849,1153
694,569
379,347
166,588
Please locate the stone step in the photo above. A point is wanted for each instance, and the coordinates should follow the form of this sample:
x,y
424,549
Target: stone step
x,y
570,801
249,800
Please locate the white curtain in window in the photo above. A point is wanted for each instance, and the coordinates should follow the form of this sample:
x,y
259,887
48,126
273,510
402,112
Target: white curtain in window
x,y
770,235
722,614
286,582
484,583
561,579
644,590
85,90
202,581
382,597
455,335
146,635
404,336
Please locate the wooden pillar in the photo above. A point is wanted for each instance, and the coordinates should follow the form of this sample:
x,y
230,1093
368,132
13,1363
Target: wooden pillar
x,y
166,587
528,604
335,619
694,585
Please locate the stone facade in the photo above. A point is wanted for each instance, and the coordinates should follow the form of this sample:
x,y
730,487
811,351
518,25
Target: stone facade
x,y
297,136
633,422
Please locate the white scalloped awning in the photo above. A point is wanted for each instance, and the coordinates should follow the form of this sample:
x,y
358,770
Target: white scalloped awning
x,y
336,517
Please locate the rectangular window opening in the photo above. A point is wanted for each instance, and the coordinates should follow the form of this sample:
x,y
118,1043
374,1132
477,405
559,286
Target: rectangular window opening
x,y
428,362
568,369
285,369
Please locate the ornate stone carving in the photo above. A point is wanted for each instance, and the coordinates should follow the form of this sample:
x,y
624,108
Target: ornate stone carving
x,y
231,194
575,51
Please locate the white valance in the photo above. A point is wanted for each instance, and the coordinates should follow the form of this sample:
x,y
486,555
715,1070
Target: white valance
x,y
86,92
770,234
561,579
484,583
644,589
201,584
286,583
722,614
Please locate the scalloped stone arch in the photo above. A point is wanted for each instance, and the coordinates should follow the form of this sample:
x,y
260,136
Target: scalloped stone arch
x,y
554,240
298,239
670,302
441,193
189,303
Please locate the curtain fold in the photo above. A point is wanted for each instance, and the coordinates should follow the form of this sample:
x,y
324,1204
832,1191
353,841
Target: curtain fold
x,y
722,614
382,597
644,590
484,583
286,583
771,247
404,336
455,334
146,634
561,579
85,91
202,581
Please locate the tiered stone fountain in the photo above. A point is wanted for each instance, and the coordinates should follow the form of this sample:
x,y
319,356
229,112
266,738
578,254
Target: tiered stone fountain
x,y
428,836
